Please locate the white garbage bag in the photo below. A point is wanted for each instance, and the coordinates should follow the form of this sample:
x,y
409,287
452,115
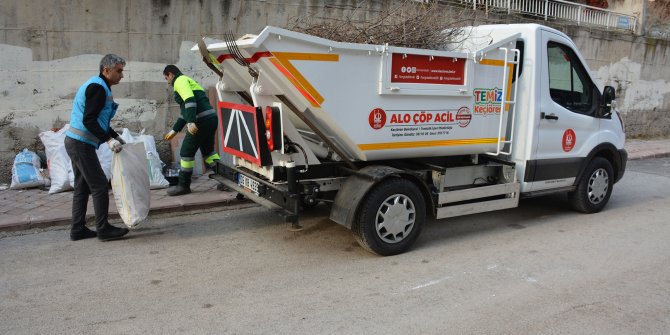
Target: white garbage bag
x,y
26,171
105,157
58,162
155,170
130,183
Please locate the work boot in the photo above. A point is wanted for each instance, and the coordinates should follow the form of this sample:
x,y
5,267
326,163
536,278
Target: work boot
x,y
109,232
178,190
212,169
81,233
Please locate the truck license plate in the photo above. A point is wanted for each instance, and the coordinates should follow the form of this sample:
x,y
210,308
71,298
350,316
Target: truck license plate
x,y
247,183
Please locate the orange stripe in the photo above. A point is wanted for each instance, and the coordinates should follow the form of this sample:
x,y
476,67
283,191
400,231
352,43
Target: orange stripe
x,y
295,82
285,57
425,144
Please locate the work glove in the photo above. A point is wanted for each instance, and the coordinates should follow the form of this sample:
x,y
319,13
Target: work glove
x,y
192,128
170,135
118,138
114,145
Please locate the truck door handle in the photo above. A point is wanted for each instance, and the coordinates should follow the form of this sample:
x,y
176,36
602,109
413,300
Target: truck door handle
x,y
548,117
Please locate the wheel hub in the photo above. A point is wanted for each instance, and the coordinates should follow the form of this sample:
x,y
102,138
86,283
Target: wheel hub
x,y
598,186
395,218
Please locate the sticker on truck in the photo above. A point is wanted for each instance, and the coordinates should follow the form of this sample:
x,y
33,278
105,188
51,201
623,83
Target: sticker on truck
x,y
569,140
426,69
402,123
487,101
240,126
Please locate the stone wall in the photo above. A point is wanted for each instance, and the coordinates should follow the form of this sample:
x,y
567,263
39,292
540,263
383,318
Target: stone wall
x,y
49,48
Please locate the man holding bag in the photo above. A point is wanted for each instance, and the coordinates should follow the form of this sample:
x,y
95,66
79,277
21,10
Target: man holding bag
x,y
201,122
92,112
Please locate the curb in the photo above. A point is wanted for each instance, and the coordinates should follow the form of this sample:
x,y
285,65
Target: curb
x,y
36,223
654,155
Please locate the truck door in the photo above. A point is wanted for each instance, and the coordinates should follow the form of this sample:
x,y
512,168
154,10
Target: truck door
x,y
568,128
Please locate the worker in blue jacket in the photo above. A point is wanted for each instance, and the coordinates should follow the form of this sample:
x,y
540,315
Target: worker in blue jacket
x,y
201,122
92,112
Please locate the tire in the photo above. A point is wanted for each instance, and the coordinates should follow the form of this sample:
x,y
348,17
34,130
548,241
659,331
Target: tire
x,y
594,189
395,201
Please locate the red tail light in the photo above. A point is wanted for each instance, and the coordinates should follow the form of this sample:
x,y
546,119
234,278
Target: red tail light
x,y
268,129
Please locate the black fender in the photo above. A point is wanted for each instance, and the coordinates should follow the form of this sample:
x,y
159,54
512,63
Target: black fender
x,y
357,186
617,157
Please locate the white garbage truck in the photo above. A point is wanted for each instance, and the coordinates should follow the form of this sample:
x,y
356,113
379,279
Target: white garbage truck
x,y
389,135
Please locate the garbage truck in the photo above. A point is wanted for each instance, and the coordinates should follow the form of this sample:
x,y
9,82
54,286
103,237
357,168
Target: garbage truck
x,y
391,135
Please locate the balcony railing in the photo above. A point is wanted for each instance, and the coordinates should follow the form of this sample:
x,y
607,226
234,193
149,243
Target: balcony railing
x,y
557,9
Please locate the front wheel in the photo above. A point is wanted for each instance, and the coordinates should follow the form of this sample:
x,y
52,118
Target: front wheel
x,y
595,187
390,217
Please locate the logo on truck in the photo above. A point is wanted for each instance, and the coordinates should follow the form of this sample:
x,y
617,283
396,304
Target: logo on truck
x,y
487,100
569,140
463,117
377,118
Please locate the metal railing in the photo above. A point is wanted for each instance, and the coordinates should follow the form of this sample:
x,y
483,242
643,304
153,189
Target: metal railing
x,y
558,9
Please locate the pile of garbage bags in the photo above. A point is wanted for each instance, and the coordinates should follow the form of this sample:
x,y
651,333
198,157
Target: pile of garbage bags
x,y
26,171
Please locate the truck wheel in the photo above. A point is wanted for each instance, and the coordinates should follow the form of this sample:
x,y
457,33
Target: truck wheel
x,y
390,217
595,187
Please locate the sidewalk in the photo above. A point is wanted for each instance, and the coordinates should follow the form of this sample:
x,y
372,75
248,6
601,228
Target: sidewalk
x,y
34,208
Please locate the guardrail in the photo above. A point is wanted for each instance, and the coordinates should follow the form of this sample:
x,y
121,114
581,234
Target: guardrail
x,y
557,9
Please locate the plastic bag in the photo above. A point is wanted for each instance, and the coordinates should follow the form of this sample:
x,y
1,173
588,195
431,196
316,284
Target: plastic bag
x,y
58,162
155,169
130,183
26,171
60,165
105,157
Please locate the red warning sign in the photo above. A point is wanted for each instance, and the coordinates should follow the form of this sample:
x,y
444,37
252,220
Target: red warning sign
x,y
569,140
425,69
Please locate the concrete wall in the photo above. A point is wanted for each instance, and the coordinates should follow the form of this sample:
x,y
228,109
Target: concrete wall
x,y
639,69
49,48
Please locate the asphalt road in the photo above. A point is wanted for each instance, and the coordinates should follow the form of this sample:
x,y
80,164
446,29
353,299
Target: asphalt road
x,y
536,269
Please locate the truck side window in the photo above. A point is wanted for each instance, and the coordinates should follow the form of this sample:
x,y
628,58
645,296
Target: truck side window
x,y
569,85
519,45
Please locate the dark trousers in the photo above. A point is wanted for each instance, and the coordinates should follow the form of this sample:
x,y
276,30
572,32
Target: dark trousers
x,y
203,140
89,179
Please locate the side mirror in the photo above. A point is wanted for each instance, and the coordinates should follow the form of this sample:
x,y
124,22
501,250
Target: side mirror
x,y
608,97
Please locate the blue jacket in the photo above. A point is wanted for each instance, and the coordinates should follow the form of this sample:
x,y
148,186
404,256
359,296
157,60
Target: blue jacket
x,y
77,129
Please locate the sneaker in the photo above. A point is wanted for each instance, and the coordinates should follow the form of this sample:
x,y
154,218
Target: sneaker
x,y
80,234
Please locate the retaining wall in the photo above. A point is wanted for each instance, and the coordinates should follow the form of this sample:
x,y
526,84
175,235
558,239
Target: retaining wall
x,y
49,48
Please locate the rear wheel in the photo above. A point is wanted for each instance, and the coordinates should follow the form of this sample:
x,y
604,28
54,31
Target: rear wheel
x,y
390,218
595,187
